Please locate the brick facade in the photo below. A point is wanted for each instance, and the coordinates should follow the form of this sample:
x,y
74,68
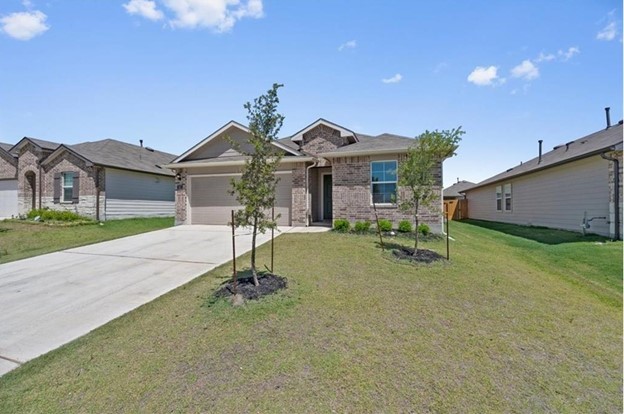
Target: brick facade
x,y
181,199
612,201
8,166
89,178
298,212
321,139
28,177
351,195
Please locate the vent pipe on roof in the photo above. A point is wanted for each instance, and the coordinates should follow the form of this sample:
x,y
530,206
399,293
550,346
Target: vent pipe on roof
x,y
607,109
141,142
540,150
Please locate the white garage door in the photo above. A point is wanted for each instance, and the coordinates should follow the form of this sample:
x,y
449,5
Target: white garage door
x,y
211,203
8,198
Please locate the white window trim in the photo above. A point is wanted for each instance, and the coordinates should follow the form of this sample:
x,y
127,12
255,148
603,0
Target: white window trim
x,y
63,187
499,210
370,178
510,198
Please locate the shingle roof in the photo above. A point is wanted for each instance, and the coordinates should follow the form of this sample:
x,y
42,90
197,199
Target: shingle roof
x,y
5,146
581,148
112,153
48,145
455,189
383,142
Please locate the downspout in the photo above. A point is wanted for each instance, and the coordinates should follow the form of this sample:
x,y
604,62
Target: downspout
x,y
307,191
616,166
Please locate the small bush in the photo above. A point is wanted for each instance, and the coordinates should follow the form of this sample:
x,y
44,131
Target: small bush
x,y
362,226
424,229
342,225
405,226
385,225
46,214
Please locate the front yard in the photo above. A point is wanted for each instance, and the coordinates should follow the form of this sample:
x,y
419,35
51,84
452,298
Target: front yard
x,y
512,324
19,240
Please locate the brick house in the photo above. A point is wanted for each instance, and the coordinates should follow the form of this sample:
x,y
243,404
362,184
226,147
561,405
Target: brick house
x,y
102,179
327,172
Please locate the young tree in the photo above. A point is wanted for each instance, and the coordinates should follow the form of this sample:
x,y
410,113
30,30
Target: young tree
x,y
255,190
416,172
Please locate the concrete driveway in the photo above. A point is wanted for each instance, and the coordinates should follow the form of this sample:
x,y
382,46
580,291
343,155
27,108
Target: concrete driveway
x,y
49,300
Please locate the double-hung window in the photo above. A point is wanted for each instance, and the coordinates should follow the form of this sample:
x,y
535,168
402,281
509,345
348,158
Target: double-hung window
x,y
499,198
507,195
67,184
384,181
503,197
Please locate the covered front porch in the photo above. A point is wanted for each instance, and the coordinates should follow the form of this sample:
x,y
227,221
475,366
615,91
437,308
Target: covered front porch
x,y
319,192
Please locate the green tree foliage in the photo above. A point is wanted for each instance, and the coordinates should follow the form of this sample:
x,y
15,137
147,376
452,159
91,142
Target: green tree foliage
x,y
416,172
255,190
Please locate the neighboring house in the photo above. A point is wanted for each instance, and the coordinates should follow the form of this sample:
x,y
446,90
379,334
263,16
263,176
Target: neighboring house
x,y
327,172
455,204
103,179
577,186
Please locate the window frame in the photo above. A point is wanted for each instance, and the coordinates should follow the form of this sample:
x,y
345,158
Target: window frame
x,y
395,182
65,187
507,196
499,198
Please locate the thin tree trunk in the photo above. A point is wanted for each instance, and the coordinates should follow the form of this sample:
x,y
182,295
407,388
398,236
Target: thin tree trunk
x,y
416,230
253,252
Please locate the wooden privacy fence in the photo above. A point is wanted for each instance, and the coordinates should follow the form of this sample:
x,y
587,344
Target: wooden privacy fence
x,y
456,209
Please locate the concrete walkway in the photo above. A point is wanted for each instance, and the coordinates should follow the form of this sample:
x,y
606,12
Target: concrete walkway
x,y
49,300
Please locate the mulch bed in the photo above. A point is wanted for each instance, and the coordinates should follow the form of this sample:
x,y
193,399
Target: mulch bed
x,y
269,284
422,256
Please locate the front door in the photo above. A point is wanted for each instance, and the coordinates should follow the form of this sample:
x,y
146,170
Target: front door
x,y
327,197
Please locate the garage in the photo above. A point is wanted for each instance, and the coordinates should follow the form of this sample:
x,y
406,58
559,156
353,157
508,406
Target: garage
x,y
210,202
8,198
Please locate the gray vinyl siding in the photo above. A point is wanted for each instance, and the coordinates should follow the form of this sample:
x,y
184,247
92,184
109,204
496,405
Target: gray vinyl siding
x,y
8,198
556,197
210,202
135,194
221,147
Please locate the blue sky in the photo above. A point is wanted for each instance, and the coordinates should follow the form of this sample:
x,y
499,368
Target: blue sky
x,y
170,72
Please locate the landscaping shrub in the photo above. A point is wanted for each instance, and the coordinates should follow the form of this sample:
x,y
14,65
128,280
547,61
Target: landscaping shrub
x,y
362,226
424,229
405,226
342,225
46,214
385,225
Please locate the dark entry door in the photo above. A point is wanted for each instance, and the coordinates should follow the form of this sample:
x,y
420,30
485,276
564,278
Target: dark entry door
x,y
327,197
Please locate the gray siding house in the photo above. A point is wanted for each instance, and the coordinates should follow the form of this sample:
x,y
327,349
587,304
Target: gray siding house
x,y
327,172
103,180
577,186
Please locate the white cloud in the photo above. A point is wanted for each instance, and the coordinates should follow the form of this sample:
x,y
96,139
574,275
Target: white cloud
x,y
144,8
347,45
609,32
525,70
24,25
394,79
568,54
27,3
545,57
219,15
482,76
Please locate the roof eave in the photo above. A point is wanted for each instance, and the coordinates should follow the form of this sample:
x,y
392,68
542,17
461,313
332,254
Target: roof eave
x,y
363,153
545,167
211,137
178,166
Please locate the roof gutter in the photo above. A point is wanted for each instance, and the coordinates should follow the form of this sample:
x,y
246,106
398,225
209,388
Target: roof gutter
x,y
190,165
616,196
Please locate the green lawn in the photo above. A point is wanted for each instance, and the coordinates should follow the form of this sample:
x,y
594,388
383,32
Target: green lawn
x,y
19,240
509,325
